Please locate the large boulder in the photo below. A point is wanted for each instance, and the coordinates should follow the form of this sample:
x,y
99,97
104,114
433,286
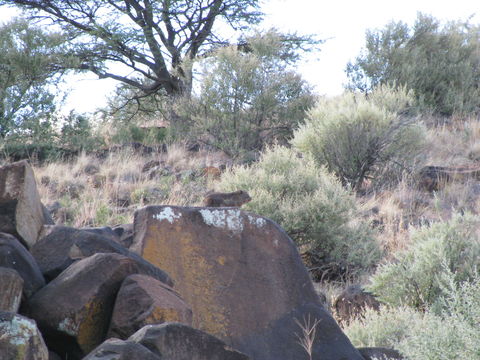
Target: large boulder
x,y
116,349
21,212
143,300
11,286
61,246
14,255
175,341
243,277
20,338
74,310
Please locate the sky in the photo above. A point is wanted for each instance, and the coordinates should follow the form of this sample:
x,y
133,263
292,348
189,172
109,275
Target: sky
x,y
342,22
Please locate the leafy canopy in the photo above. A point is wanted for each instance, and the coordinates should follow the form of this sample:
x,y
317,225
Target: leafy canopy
x,y
151,42
29,64
441,63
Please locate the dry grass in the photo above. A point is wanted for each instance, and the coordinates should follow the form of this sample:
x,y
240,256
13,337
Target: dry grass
x,y
99,192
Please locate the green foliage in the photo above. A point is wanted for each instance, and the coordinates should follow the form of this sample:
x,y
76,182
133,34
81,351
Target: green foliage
x,y
360,137
77,134
29,63
416,276
311,205
248,98
451,331
439,62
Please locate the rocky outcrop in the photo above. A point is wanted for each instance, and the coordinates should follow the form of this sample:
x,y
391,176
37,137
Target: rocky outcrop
x,y
73,311
143,300
21,212
243,277
20,338
62,246
175,341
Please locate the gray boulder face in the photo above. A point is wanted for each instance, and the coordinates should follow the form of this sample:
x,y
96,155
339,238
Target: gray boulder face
x,y
13,255
143,300
243,277
11,287
116,349
62,246
74,310
20,338
175,341
21,212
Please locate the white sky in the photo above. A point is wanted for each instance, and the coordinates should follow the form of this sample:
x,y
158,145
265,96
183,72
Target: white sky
x,y
343,22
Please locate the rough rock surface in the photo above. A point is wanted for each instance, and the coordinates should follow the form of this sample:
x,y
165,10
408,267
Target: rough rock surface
x,y
175,341
14,255
116,349
73,311
243,277
11,286
21,212
20,338
63,245
143,300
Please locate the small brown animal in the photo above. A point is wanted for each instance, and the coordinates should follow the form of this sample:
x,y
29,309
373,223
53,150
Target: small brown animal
x,y
233,199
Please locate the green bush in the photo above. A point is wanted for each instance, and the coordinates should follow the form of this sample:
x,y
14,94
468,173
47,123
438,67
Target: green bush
x,y
451,331
358,137
416,276
440,62
311,205
248,98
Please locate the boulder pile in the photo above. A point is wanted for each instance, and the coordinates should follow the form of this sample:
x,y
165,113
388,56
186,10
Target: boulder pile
x,y
193,284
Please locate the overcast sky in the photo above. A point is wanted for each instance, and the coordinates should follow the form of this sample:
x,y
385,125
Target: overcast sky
x,y
342,22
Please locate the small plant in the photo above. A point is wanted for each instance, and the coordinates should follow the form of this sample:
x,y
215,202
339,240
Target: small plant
x,y
307,336
414,277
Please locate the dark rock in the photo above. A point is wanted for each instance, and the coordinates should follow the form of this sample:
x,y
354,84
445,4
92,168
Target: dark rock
x,y
53,356
63,246
242,276
13,255
377,353
141,301
91,169
20,338
352,302
175,341
105,231
116,349
125,234
11,287
74,310
21,212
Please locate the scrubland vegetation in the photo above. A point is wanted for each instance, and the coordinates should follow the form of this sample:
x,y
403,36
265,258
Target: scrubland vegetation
x,y
341,175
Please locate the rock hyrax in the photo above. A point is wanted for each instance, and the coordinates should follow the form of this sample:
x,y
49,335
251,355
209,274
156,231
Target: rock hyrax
x,y
233,199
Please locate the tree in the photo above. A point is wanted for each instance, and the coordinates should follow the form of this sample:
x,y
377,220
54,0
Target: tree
x,y
249,98
29,63
153,41
441,63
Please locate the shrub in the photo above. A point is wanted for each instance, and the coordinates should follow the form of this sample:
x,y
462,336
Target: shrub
x,y
450,332
249,98
358,137
415,277
440,62
311,205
